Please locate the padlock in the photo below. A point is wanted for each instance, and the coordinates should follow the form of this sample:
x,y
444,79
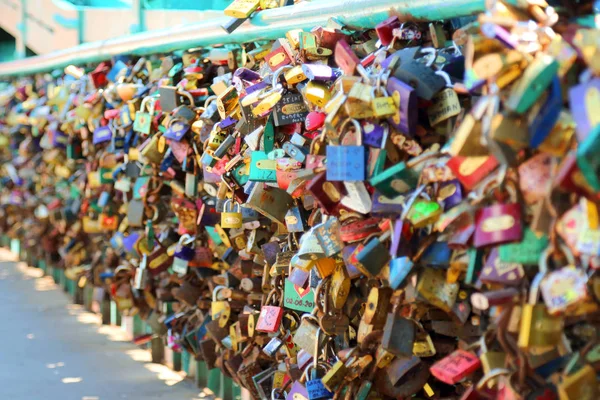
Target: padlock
x,y
143,117
347,163
314,385
220,309
382,106
398,335
454,367
499,223
399,178
426,82
270,316
538,327
374,256
536,78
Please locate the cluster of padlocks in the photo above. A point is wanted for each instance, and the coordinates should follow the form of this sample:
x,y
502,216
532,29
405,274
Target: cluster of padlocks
x,y
405,211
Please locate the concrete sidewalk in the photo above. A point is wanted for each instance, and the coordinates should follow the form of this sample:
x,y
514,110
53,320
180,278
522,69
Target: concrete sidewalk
x,y
53,350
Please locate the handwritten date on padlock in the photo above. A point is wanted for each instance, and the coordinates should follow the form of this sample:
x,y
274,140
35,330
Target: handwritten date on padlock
x,y
345,163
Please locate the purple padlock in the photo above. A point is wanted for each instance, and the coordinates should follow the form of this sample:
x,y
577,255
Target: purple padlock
x,y
318,72
59,139
297,388
246,74
406,119
583,98
102,134
450,194
176,131
384,206
129,241
494,31
228,123
373,134
256,86
185,253
238,84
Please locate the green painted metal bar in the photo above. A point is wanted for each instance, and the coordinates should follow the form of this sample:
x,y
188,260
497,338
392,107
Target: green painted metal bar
x,y
115,315
43,266
201,374
88,296
105,311
268,24
15,246
214,382
141,15
63,280
21,43
186,359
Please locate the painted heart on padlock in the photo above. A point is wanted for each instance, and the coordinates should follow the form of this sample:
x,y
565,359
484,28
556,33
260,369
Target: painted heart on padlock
x,y
176,131
269,319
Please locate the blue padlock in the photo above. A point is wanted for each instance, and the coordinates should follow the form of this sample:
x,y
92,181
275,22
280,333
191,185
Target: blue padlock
x,y
314,386
437,255
347,163
399,269
546,118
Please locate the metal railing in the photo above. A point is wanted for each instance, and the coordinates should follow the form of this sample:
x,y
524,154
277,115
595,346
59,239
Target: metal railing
x,y
268,24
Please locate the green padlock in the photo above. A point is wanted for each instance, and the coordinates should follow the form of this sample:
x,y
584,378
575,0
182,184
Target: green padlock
x,y
525,252
143,118
588,160
261,168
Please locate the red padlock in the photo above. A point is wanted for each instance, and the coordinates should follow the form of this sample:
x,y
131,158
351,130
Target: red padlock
x,y
471,170
385,30
270,316
314,120
345,57
455,367
499,223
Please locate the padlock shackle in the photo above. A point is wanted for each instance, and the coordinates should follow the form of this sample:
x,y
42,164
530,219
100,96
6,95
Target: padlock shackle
x,y
216,290
316,350
144,104
275,85
209,100
357,128
430,52
115,127
494,373
189,96
186,239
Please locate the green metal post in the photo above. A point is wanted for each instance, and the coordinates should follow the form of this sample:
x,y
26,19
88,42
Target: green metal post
x,y
15,246
43,266
105,308
214,381
185,362
158,350
138,5
201,374
236,391
63,281
21,39
226,387
115,315
56,275
88,296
